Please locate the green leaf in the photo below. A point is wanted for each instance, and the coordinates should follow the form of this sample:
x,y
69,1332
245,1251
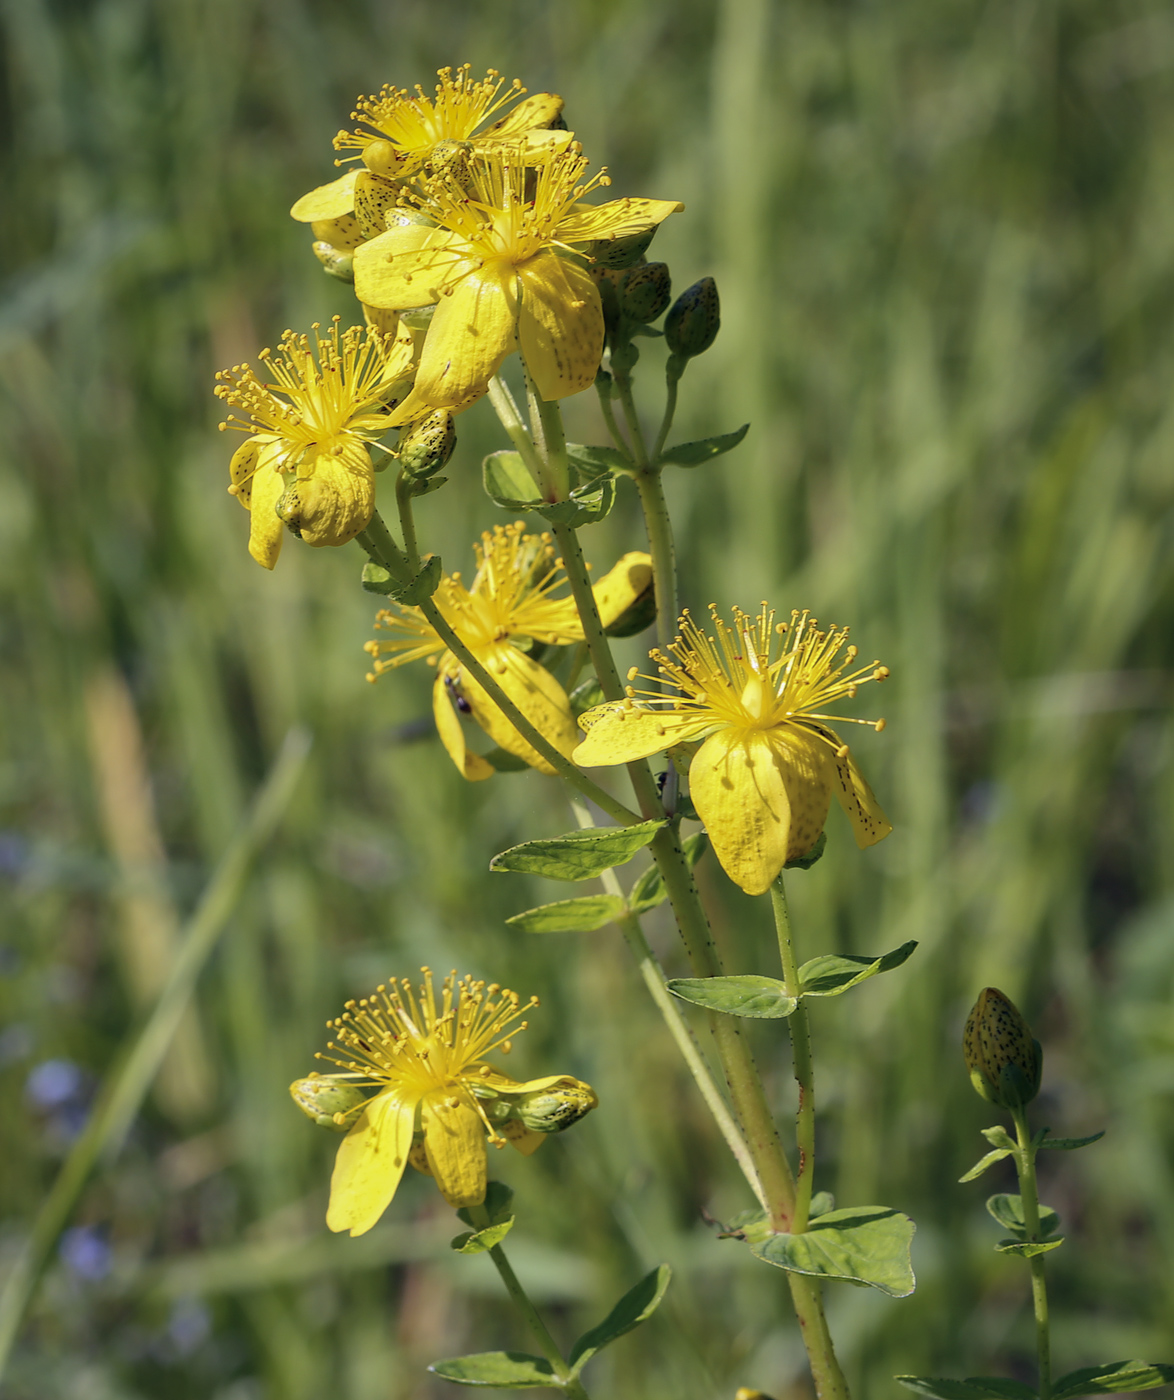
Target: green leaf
x,y
807,861
763,998
821,1203
998,1136
376,579
1111,1378
591,462
508,482
503,1370
649,890
582,915
834,973
863,1244
693,454
579,855
586,505
478,1241
1028,1249
635,1307
1008,1211
1070,1144
988,1161
973,1388
499,1199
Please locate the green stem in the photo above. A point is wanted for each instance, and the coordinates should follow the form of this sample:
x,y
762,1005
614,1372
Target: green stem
x,y
609,417
660,546
807,1298
801,1060
129,1083
407,520
511,420
1029,1194
554,479
538,1329
654,979
670,410
623,383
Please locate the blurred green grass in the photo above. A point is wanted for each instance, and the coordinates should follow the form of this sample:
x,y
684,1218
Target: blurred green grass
x,y
944,238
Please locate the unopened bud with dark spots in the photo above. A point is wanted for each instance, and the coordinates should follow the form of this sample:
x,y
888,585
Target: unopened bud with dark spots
x,y
339,264
694,320
1003,1058
331,1103
621,252
427,444
554,1109
645,291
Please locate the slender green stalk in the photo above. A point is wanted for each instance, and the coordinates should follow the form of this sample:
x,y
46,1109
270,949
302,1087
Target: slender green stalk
x,y
609,417
129,1083
663,551
623,382
654,979
807,1300
407,520
670,412
550,439
538,1329
1029,1194
801,1060
511,420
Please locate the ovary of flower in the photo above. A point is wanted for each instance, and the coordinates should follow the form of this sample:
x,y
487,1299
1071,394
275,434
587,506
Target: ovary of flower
x,y
499,266
423,1056
407,132
757,694
306,462
510,601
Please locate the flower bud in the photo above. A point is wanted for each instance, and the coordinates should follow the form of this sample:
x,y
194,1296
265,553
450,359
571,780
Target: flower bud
x,y
1003,1059
426,445
694,320
552,1109
645,291
331,1103
338,264
382,158
621,252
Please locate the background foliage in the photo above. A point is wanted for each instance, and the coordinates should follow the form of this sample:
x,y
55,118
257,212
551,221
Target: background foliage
x,y
943,237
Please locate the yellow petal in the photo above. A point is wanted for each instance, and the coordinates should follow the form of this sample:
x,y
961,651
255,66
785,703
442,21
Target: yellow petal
x,y
618,218
333,496
472,331
763,800
452,736
526,1140
375,197
265,526
343,234
619,588
407,266
503,1084
370,1163
330,201
534,691
454,1138
539,109
619,732
560,325
242,467
415,406
869,822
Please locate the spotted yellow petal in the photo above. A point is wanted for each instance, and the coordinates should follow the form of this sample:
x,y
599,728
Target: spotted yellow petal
x,y
539,109
618,218
526,1140
370,1163
759,804
330,201
416,406
409,265
534,691
454,1139
869,822
503,1084
333,496
452,736
620,732
619,588
266,529
472,331
560,325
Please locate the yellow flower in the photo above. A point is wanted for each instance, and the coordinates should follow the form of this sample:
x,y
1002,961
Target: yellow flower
x,y
306,462
762,781
424,1056
508,603
496,265
408,133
